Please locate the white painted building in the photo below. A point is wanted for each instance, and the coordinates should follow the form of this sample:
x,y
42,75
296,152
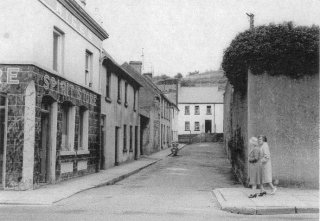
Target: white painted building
x,y
201,110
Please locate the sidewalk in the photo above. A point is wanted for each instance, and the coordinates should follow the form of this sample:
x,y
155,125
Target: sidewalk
x,y
285,201
50,194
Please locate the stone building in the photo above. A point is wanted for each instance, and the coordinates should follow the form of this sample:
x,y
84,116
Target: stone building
x,y
154,109
120,123
201,110
286,111
49,92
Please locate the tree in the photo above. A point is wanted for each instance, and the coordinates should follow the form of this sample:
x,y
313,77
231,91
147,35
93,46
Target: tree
x,y
178,76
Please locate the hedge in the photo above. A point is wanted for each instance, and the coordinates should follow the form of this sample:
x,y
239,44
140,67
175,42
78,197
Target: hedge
x,y
276,49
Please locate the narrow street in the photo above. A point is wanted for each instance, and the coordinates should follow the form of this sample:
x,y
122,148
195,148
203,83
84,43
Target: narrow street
x,y
177,188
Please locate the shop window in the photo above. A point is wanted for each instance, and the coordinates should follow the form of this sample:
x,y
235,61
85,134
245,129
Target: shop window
x,y
83,128
197,126
209,110
196,110
58,50
68,117
88,68
187,125
125,138
187,110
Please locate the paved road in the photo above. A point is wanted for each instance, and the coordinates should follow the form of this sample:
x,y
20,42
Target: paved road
x,y
177,188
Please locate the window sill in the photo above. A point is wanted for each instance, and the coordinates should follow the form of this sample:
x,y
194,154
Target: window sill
x,y
119,101
67,153
108,99
125,150
131,151
80,152
126,104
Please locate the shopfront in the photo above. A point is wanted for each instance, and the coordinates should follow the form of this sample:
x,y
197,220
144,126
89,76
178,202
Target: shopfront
x,y
49,128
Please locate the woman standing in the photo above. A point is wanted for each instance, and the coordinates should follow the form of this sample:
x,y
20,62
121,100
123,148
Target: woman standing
x,y
265,164
254,166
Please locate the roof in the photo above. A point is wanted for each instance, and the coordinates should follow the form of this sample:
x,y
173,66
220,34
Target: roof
x,y
200,95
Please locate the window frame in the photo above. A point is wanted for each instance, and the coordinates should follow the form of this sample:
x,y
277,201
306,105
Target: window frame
x,y
83,133
196,110
125,138
88,68
209,107
68,127
119,91
108,84
187,107
196,126
185,125
58,51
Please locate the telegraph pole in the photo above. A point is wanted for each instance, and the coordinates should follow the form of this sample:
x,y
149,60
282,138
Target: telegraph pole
x,y
251,17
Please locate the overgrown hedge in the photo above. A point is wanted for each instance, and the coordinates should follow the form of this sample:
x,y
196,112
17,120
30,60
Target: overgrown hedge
x,y
278,49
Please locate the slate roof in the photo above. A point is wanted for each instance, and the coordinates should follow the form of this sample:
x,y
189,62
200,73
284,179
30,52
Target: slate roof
x,y
200,95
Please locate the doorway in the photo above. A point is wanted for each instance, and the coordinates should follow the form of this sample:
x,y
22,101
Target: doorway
x,y
208,126
136,142
2,137
102,131
116,142
44,146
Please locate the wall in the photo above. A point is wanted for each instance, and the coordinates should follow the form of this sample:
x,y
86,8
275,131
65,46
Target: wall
x,y
287,112
235,131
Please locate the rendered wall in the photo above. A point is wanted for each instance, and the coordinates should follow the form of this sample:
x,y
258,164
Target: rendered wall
x,y
287,112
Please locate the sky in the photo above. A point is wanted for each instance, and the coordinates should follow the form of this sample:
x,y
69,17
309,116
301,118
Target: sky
x,y
182,36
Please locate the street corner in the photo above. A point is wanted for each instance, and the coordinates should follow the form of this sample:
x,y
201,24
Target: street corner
x,y
235,200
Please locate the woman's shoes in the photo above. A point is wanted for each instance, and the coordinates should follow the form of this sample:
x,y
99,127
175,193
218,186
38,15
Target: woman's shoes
x,y
263,193
274,191
253,195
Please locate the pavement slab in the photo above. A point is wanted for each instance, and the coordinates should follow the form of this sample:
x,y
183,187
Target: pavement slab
x,y
285,201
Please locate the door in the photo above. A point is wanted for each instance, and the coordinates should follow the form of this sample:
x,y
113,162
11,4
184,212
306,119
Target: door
x,y
136,143
208,126
102,132
44,147
116,146
2,136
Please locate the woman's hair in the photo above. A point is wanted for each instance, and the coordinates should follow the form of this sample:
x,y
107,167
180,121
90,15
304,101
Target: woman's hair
x,y
253,141
264,138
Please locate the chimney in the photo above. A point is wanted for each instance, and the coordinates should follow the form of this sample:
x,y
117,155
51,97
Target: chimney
x,y
149,75
137,65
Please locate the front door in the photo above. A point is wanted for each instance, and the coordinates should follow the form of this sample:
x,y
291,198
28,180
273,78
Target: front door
x,y
136,143
44,147
102,131
208,126
116,142
2,136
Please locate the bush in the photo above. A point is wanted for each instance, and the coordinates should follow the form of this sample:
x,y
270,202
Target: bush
x,y
275,49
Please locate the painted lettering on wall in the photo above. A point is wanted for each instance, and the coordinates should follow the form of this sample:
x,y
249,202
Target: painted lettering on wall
x,y
68,89
11,76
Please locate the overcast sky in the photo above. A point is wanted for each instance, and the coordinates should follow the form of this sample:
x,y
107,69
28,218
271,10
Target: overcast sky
x,y
188,35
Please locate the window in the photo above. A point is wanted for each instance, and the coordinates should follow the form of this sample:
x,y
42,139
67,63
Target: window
x,y
130,148
209,110
119,90
187,110
196,126
187,126
134,99
196,110
68,116
108,84
83,129
58,50
2,127
124,138
126,94
88,69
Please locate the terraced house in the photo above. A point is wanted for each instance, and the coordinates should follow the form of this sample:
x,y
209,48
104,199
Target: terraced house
x,y
49,92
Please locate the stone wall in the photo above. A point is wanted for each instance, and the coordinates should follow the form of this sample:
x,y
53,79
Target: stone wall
x,y
287,112
235,131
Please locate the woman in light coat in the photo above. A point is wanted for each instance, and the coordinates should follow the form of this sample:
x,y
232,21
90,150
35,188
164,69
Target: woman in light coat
x,y
254,166
265,164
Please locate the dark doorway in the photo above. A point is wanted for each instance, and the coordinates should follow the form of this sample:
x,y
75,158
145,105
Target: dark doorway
x,y
44,146
136,142
102,132
208,126
116,146
2,135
